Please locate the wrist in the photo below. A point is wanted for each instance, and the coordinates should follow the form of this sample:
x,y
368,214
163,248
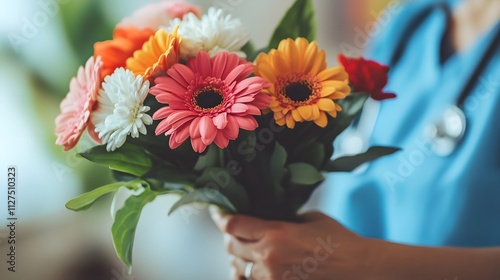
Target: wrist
x,y
379,259
391,261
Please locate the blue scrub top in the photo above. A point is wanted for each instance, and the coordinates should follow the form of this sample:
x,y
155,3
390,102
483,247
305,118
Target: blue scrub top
x,y
416,197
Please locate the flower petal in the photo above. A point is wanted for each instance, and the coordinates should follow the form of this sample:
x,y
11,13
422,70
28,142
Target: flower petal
x,y
249,86
168,97
240,72
332,113
232,62
290,122
330,73
194,128
221,141
319,63
239,108
198,145
247,122
162,127
181,74
322,121
179,136
220,121
208,130
262,100
253,110
280,63
203,64
157,55
77,106
219,65
265,70
293,54
162,113
315,111
296,116
232,129
326,104
310,55
215,32
179,115
305,111
93,134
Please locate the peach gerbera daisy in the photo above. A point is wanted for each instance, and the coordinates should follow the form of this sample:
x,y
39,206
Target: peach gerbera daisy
x,y
209,100
154,15
302,88
77,106
157,55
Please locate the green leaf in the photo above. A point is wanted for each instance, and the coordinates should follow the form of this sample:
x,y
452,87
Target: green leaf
x,y
125,224
299,21
169,174
122,177
209,159
129,159
277,164
86,200
217,187
278,160
353,104
312,153
349,163
304,174
205,196
219,179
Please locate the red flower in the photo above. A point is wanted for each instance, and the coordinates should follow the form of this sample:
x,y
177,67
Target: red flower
x,y
367,76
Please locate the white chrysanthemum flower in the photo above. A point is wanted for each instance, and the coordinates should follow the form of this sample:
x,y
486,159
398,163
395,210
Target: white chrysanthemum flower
x,y
215,32
121,111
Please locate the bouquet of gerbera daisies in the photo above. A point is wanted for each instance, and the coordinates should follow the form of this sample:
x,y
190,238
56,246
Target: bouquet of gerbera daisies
x,y
179,102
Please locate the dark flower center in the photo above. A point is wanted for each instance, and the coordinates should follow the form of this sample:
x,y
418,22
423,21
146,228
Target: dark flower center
x,y
298,91
209,98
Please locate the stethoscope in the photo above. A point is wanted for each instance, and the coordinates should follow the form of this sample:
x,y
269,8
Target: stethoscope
x,y
447,132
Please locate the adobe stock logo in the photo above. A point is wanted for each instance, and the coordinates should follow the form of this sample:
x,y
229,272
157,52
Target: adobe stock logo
x,y
310,264
30,27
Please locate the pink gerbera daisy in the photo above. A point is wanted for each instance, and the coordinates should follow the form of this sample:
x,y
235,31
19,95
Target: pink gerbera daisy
x,y
156,14
78,104
209,100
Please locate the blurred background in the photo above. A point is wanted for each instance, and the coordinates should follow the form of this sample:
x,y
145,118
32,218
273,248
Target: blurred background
x,y
42,43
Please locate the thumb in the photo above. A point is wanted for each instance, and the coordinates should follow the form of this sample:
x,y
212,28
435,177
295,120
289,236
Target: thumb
x,y
218,216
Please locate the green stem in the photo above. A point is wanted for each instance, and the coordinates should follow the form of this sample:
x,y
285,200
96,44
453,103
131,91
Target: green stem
x,y
221,158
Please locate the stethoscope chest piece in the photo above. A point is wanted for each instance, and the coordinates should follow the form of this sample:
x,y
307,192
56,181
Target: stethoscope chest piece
x,y
448,131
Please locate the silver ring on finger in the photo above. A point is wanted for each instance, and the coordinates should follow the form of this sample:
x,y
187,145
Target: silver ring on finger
x,y
248,270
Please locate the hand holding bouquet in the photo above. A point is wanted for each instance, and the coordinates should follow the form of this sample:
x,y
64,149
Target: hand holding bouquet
x,y
181,103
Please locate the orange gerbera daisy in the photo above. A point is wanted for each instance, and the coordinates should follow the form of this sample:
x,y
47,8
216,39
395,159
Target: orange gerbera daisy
x,y
157,55
303,89
114,53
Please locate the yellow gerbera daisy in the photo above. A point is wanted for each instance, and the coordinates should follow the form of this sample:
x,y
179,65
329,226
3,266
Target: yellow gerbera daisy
x,y
158,54
303,89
